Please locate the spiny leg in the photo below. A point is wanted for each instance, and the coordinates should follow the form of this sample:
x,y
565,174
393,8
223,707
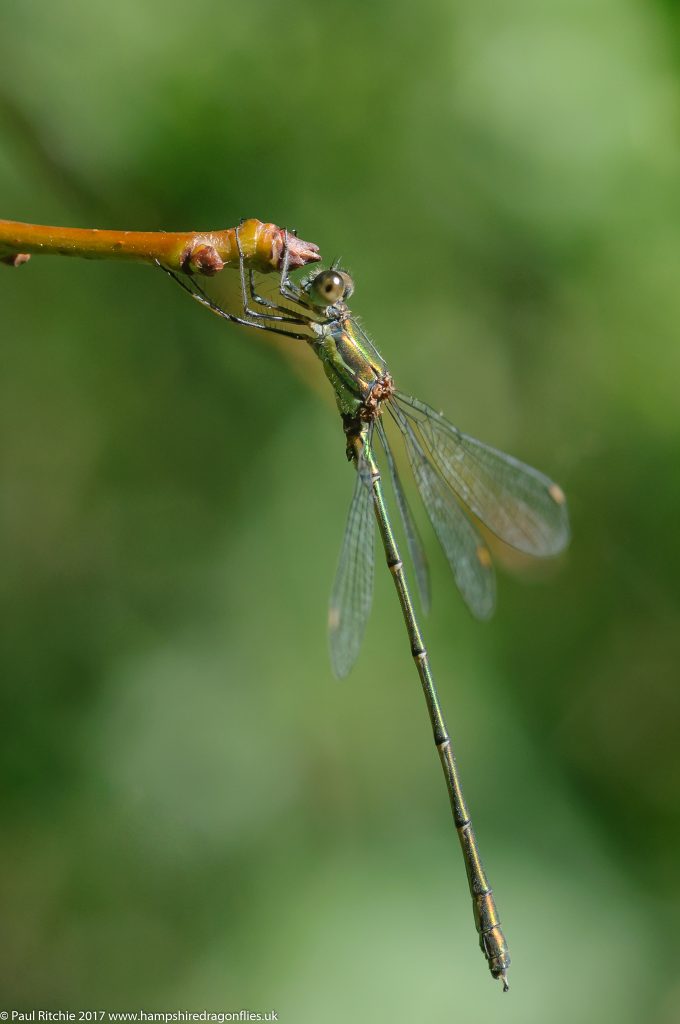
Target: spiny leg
x,y
288,318
309,314
291,291
197,293
288,288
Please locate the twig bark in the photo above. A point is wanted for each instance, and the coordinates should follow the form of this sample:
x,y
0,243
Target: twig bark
x,y
192,252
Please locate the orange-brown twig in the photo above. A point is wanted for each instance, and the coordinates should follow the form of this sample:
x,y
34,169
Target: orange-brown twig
x,y
194,252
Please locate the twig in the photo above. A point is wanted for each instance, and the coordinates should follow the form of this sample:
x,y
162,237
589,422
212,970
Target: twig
x,y
192,252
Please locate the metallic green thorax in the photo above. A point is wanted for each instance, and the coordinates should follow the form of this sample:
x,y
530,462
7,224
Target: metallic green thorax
x,y
351,364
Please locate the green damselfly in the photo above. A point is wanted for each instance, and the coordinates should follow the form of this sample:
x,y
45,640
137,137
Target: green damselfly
x,y
452,471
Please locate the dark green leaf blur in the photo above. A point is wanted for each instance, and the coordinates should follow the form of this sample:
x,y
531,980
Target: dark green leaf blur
x,y
194,813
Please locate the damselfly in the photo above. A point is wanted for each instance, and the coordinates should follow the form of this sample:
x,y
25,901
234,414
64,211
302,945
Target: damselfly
x,y
453,473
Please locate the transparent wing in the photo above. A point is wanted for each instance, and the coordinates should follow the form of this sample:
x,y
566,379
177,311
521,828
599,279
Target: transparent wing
x,y
464,548
415,544
352,591
520,505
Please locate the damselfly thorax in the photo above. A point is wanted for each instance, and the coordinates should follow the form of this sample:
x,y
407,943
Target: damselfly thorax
x,y
358,373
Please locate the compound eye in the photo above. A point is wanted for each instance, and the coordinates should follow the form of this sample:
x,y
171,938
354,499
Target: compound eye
x,y
348,282
328,287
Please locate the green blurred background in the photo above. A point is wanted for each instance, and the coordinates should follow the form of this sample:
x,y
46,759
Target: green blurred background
x,y
194,813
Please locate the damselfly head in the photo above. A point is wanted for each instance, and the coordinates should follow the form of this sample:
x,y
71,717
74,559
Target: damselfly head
x,y
329,287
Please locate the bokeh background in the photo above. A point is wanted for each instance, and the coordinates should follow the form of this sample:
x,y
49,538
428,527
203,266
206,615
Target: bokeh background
x,y
194,813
